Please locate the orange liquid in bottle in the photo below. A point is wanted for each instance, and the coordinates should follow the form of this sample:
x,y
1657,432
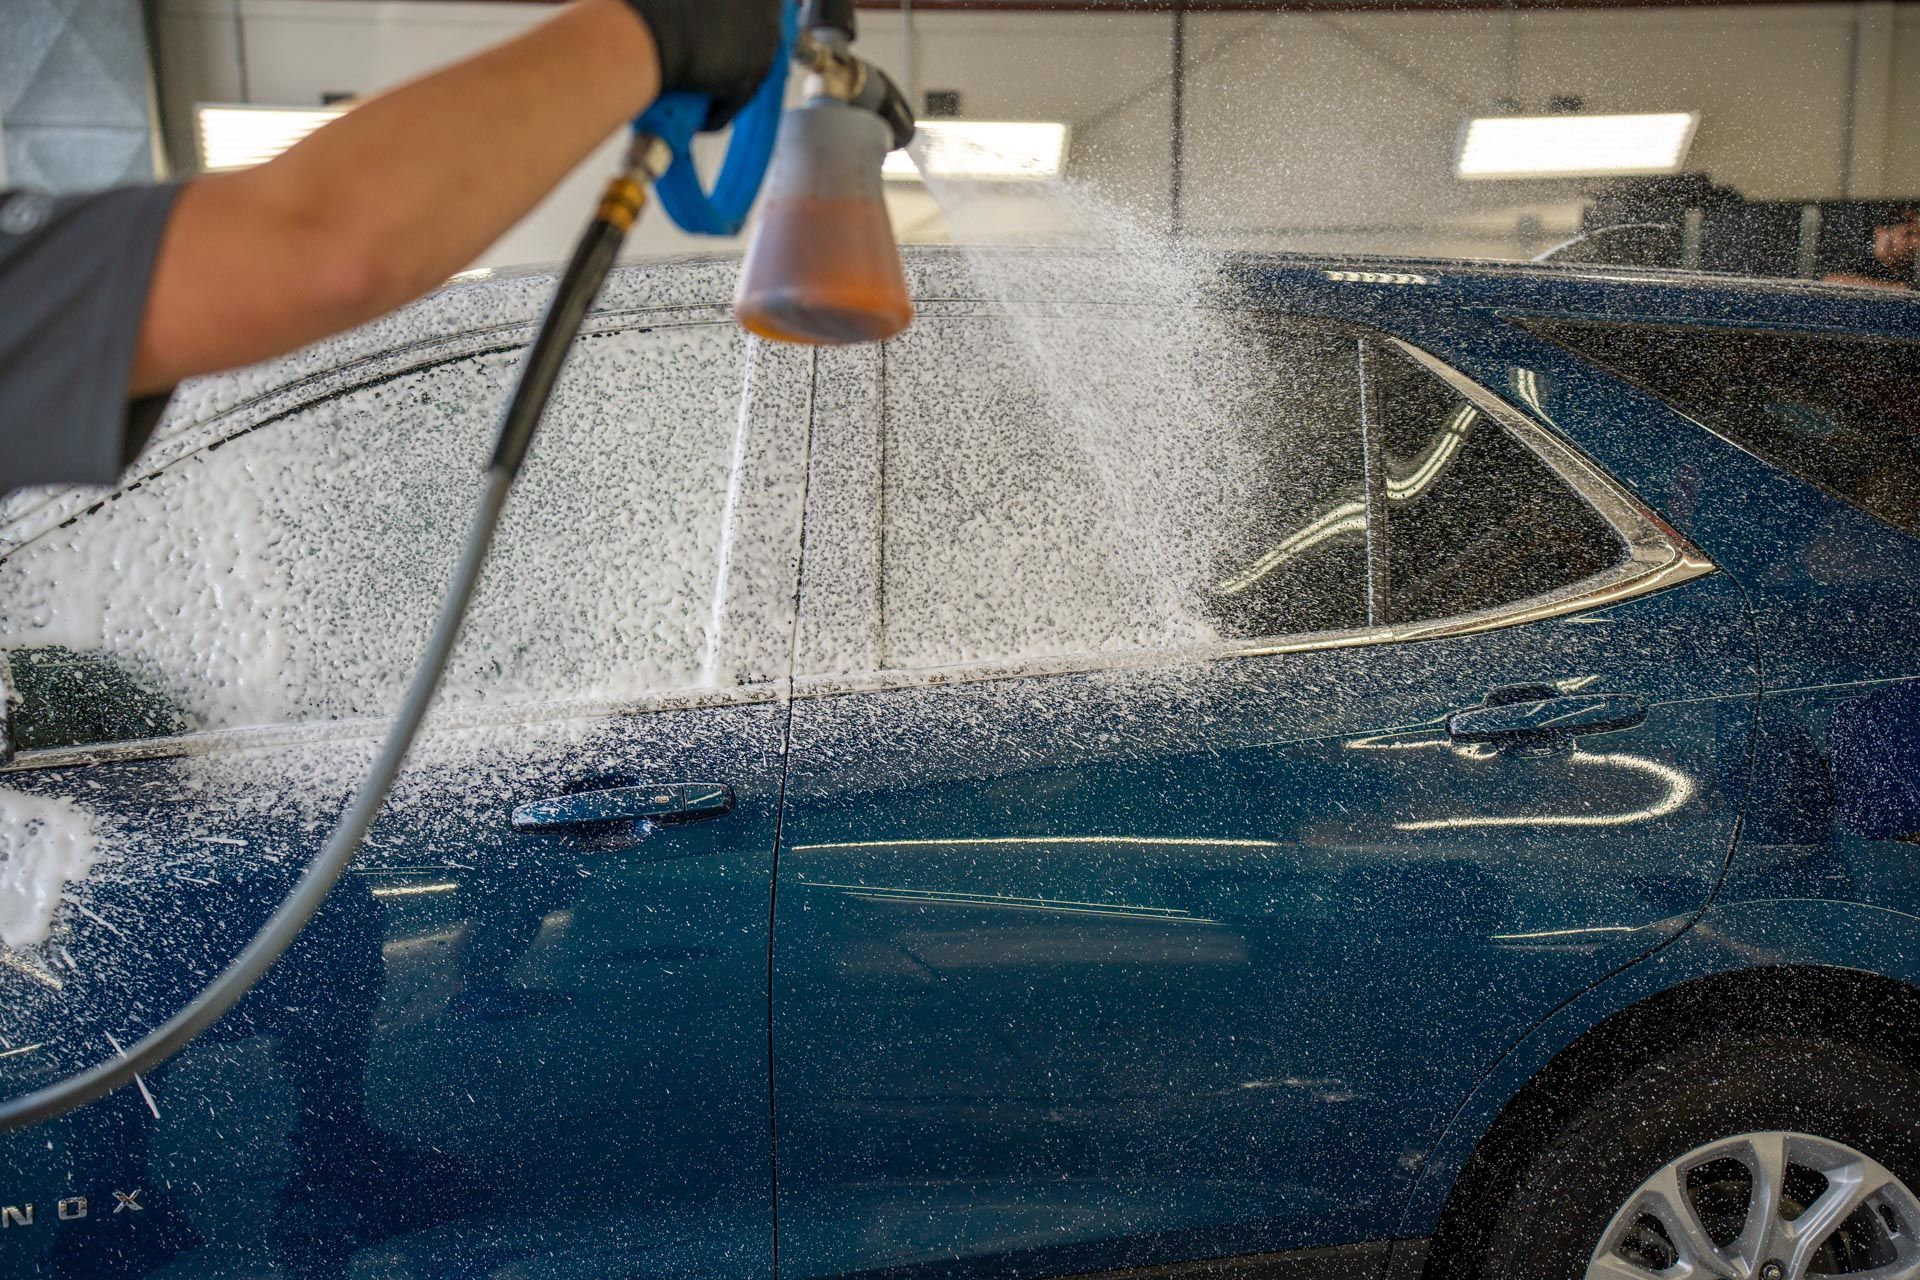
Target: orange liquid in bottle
x,y
824,272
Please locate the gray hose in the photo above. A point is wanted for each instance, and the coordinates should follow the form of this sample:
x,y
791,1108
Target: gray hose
x,y
321,874
587,270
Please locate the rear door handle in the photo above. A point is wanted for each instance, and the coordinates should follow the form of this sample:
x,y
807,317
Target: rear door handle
x,y
1546,718
670,802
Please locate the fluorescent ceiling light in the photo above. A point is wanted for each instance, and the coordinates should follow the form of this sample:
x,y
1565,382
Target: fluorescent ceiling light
x,y
233,136
1000,150
1573,146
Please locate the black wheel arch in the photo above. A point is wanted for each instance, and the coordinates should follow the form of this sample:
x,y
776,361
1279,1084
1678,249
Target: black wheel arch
x,y
1844,1006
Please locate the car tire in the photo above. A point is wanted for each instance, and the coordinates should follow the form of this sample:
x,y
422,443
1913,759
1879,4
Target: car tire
x,y
1566,1196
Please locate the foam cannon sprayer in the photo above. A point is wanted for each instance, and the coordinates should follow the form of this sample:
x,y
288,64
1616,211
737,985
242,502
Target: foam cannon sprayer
x,y
822,267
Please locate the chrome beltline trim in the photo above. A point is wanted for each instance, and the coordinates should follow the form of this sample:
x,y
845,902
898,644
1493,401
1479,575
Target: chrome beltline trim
x,y
370,728
1611,587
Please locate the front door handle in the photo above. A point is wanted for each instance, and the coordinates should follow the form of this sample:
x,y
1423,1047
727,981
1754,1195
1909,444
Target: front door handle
x,y
670,802
1547,719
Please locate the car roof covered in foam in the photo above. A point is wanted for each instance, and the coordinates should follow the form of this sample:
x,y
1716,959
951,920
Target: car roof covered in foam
x,y
502,307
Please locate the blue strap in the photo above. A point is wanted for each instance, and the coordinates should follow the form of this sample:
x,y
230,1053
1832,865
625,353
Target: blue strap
x,y
676,117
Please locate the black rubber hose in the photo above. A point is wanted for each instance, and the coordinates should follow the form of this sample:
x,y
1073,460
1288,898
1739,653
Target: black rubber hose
x,y
579,285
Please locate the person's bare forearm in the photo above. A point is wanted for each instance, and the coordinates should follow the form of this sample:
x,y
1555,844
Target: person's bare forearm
x,y
389,200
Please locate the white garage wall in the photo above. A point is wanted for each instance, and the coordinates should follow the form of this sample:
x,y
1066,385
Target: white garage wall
x,y
1902,128
1337,129
296,51
1106,75
1328,131
74,95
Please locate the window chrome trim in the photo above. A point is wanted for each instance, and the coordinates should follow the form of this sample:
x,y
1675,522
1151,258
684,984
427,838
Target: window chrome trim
x,y
206,742
1658,556
1649,539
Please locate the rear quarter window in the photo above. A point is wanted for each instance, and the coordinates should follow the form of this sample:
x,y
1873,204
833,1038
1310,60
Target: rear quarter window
x,y
1840,412
1474,520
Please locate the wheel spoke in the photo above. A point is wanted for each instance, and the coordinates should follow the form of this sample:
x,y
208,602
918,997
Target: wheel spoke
x,y
1667,1200
1848,1187
1611,1266
1767,1165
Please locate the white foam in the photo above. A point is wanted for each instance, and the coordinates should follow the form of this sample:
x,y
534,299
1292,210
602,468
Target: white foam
x,y
1064,467
45,842
292,574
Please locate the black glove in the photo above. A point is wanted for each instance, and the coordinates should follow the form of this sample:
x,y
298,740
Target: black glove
x,y
722,48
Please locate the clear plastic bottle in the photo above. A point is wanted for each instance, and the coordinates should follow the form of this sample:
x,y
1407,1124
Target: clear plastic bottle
x,y
822,266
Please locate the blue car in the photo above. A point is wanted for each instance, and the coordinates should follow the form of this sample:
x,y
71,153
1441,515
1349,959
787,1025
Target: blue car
x,y
1368,769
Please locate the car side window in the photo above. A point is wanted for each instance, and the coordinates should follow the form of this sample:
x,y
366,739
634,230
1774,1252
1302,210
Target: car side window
x,y
1074,502
1838,411
1295,559
291,573
1474,520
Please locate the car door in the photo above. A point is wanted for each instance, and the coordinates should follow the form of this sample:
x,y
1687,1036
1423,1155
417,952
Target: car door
x,y
1117,927
1821,432
531,1022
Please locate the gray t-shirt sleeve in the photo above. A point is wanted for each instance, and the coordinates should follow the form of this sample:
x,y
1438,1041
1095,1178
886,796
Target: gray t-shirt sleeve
x,y
74,274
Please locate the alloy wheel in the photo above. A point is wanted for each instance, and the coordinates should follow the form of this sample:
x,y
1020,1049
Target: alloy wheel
x,y
1764,1206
